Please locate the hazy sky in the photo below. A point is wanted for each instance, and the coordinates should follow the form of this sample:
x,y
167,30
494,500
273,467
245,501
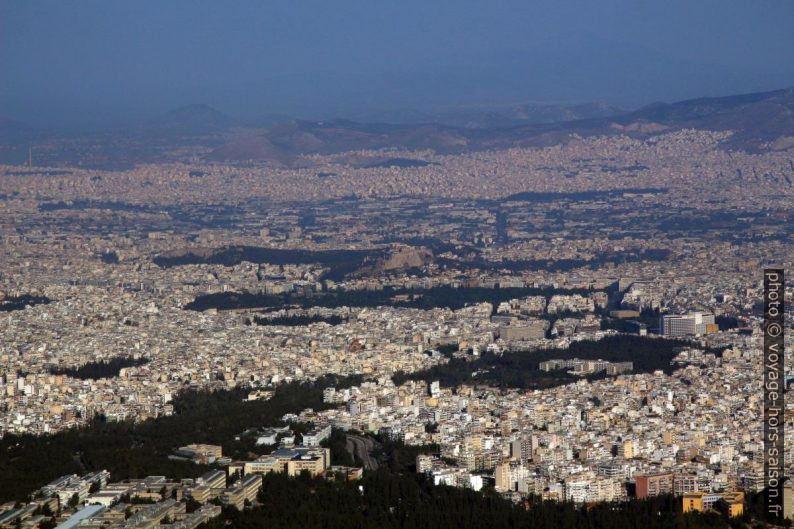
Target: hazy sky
x,y
95,60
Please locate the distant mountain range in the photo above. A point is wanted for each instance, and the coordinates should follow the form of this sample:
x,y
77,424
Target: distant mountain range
x,y
760,121
203,119
494,117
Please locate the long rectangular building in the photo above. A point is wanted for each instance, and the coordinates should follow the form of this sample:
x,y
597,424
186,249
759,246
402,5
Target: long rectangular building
x,y
692,324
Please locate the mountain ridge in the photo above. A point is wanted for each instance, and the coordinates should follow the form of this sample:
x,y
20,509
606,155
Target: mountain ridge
x,y
758,121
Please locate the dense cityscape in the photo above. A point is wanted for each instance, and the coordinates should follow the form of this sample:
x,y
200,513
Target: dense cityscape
x,y
435,268
637,345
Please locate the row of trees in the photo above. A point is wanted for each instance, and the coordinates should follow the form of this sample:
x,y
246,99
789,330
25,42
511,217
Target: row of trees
x,y
557,265
429,298
519,369
340,262
20,302
102,369
129,449
297,321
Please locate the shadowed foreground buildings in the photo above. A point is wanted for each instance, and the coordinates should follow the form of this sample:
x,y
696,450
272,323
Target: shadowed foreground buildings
x,y
89,501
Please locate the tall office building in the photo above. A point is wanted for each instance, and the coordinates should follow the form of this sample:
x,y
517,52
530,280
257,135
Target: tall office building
x,y
692,324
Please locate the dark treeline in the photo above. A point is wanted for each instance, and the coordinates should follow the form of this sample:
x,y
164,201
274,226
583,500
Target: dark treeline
x,y
109,257
443,296
437,246
447,349
340,455
102,369
724,221
55,172
295,321
519,369
20,302
344,262
559,265
341,262
629,169
726,322
756,508
530,196
128,449
400,162
91,204
387,499
649,317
